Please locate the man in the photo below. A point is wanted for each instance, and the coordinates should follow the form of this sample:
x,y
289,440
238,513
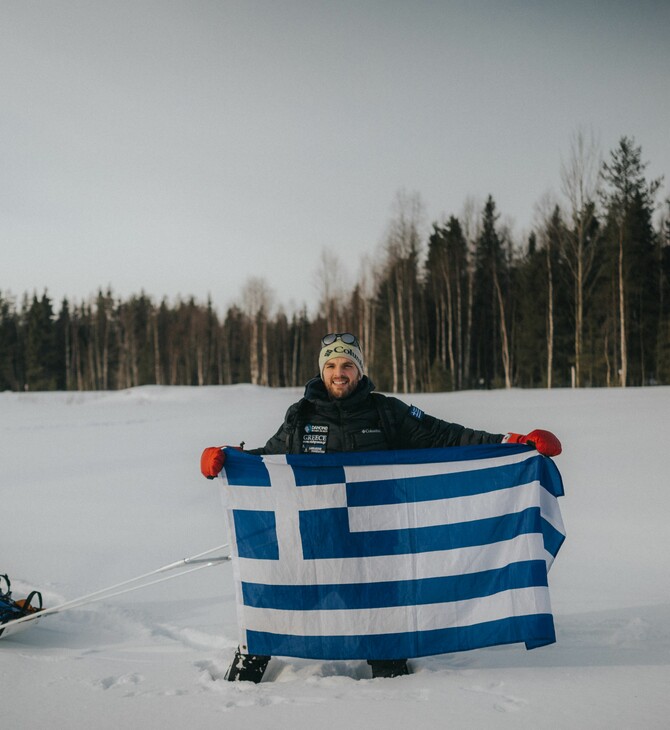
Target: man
x,y
341,412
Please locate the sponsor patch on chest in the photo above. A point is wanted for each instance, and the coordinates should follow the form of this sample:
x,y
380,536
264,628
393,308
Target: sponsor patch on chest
x,y
313,428
314,439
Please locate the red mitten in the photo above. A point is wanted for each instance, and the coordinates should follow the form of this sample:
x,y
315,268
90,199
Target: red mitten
x,y
544,441
211,461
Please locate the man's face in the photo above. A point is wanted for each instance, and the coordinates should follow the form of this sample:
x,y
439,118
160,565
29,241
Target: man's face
x,y
340,376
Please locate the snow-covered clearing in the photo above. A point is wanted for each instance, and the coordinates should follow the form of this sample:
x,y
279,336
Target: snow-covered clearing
x,y
100,487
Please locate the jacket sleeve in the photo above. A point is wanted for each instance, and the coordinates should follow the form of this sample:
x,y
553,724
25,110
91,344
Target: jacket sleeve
x,y
418,430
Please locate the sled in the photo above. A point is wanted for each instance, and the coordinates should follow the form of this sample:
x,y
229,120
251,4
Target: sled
x,y
11,610
16,616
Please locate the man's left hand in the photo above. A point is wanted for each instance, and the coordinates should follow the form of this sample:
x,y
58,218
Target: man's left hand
x,y
544,441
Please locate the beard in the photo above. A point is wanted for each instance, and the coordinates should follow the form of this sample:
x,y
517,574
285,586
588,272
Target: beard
x,y
340,390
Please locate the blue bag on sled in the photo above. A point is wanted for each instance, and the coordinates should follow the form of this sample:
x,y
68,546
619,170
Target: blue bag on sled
x,y
10,610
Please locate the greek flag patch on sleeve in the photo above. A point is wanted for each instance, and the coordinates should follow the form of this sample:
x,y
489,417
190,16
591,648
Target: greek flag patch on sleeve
x,y
416,413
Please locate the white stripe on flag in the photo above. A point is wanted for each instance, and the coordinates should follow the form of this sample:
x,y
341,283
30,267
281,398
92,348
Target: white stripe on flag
x,y
444,511
349,622
396,567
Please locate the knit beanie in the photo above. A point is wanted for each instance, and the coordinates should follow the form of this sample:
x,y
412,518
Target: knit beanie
x,y
341,349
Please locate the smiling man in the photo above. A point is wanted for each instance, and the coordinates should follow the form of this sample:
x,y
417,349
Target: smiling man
x,y
341,412
340,364
340,376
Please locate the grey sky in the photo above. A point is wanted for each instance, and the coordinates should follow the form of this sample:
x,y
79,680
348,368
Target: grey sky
x,y
181,146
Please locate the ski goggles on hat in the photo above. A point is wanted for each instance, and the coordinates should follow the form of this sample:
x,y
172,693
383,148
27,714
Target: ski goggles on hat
x,y
345,337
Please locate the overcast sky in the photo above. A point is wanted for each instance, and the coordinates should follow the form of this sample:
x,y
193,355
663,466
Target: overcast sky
x,y
181,146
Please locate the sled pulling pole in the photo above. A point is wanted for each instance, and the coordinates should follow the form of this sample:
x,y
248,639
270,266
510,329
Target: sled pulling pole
x,y
127,586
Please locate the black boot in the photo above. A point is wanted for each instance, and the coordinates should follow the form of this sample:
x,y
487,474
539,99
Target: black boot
x,y
388,668
247,667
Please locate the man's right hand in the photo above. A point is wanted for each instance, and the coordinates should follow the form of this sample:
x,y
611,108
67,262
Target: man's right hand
x,y
211,461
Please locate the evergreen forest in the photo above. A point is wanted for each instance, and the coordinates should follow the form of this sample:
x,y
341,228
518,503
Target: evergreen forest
x,y
583,301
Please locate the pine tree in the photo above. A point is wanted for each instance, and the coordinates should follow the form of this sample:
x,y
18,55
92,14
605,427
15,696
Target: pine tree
x,y
491,328
446,293
40,345
629,201
11,350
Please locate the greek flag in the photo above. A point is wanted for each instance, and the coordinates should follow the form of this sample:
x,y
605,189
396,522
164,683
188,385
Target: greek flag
x,y
393,554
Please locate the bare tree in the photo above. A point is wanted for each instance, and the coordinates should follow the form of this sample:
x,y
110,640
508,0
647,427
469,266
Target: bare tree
x,y
257,299
549,226
329,278
403,242
579,182
369,278
503,303
471,224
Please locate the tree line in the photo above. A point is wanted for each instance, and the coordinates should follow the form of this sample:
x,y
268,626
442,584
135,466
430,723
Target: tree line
x,y
584,300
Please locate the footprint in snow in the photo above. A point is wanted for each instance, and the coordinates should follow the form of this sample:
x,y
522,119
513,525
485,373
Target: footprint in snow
x,y
503,702
123,679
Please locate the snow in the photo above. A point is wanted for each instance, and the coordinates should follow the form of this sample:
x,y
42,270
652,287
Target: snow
x,y
101,487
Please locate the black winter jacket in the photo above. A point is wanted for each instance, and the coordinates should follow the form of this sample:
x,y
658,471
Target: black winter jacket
x,y
364,421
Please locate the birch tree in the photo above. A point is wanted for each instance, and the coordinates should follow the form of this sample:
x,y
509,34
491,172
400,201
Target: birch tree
x,y
579,181
629,200
403,243
257,299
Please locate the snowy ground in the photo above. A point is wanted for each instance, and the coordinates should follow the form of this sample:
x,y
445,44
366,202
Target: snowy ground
x,y
101,487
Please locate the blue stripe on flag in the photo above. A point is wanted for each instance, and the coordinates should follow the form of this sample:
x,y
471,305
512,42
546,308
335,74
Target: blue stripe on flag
x,y
525,574
536,630
553,539
245,470
440,486
550,477
325,534
308,477
256,534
